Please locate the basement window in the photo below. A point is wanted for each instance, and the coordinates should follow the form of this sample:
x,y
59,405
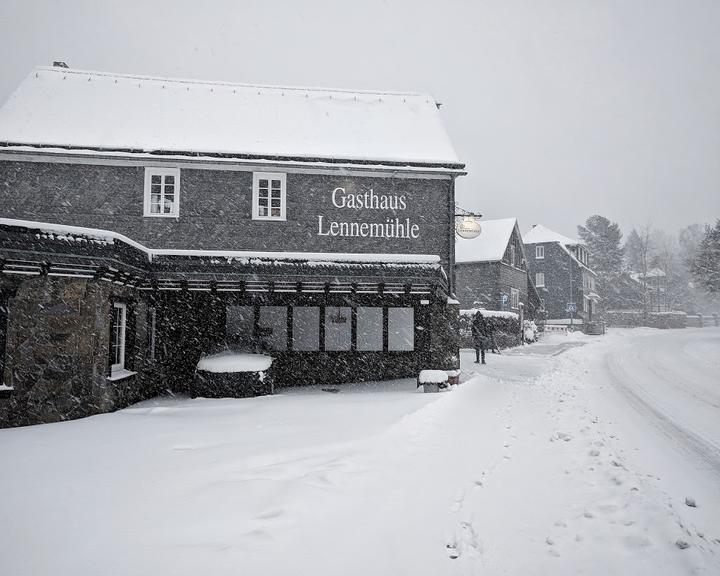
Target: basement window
x,y
162,192
269,196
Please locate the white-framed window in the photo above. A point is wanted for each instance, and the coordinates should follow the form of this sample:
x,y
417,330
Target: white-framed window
x,y
162,192
514,298
338,332
369,329
540,279
152,321
539,252
268,198
306,328
117,337
512,254
401,329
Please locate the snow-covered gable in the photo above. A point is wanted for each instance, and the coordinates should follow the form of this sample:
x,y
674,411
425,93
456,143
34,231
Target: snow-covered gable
x,y
539,234
490,245
65,108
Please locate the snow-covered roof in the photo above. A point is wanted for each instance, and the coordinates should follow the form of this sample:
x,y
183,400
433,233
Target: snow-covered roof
x,y
73,233
75,109
490,245
539,234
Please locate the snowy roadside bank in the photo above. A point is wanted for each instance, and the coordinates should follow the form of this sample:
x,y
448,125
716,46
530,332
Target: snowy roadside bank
x,y
536,464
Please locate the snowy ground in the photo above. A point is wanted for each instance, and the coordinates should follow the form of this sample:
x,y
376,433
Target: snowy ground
x,y
573,456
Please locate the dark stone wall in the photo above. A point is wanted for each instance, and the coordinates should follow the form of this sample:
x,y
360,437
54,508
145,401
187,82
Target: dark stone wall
x,y
215,208
57,351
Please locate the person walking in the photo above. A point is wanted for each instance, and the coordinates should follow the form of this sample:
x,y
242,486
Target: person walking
x,y
480,332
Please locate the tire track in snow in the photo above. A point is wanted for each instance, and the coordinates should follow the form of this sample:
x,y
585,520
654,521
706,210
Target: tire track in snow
x,y
702,449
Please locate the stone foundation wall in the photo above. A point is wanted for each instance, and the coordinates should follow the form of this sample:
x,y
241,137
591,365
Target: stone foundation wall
x,y
57,351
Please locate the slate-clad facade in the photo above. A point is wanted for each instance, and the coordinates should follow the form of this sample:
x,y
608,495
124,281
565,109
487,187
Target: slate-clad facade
x,y
564,280
122,267
491,270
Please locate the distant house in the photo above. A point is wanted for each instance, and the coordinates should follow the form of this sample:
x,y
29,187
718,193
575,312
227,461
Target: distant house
x,y
491,270
653,288
560,268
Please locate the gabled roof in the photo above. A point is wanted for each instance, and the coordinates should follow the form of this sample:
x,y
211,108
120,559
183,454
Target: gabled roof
x,y
490,245
74,109
539,234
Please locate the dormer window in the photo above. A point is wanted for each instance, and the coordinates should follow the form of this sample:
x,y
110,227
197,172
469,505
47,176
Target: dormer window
x,y
269,196
162,192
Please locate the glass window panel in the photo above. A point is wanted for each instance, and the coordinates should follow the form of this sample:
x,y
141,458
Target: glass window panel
x,y
170,190
275,203
263,194
273,326
306,328
370,329
239,324
168,205
156,179
155,208
276,194
337,328
401,329
263,183
169,179
276,184
263,211
155,189
276,212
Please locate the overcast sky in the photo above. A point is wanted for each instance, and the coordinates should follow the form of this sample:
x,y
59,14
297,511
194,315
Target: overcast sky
x,y
560,108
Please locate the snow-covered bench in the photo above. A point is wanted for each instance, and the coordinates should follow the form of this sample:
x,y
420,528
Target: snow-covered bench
x,y
231,374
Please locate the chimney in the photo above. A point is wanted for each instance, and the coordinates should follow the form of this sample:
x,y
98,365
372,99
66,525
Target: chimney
x,y
58,64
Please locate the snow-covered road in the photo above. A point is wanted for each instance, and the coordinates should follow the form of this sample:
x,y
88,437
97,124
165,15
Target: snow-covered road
x,y
674,383
574,456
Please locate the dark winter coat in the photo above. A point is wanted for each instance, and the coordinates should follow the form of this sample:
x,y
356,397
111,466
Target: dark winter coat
x,y
480,332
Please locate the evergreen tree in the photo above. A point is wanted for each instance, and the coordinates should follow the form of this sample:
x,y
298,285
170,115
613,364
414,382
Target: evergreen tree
x,y
706,266
603,240
634,252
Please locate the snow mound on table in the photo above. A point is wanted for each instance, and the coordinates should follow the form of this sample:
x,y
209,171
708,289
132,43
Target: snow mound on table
x,y
433,377
229,361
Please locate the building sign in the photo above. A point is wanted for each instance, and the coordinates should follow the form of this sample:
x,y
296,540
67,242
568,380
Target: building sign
x,y
468,228
369,202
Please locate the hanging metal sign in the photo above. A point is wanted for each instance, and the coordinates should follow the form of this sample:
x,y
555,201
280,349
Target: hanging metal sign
x,y
468,227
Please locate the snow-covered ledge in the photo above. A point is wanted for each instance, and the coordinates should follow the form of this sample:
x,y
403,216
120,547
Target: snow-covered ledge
x,y
66,232
120,375
5,391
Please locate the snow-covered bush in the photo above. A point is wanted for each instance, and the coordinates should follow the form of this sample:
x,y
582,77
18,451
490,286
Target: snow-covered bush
x,y
530,331
505,327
